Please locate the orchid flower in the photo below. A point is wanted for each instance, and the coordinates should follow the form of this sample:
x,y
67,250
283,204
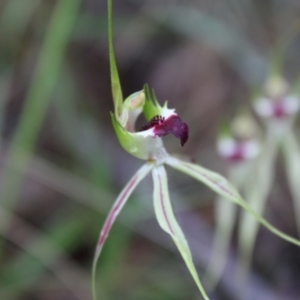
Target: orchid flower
x,y
278,102
277,107
146,144
239,146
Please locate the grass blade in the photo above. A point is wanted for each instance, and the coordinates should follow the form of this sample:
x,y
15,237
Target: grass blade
x,y
38,97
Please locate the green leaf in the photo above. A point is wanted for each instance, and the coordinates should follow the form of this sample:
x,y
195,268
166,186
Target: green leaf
x,y
167,221
221,186
117,207
115,81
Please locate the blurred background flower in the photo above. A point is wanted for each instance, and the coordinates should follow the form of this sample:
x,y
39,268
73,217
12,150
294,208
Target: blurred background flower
x,y
62,166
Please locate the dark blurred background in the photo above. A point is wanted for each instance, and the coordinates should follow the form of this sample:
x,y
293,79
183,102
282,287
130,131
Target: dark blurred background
x,y
57,185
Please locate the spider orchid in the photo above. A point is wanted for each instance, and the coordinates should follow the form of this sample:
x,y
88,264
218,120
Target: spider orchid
x,y
238,145
278,103
277,107
146,144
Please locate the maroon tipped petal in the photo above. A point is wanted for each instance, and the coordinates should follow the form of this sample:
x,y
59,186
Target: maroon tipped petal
x,y
175,126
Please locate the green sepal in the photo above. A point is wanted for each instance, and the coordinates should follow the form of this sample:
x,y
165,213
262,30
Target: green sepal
x,y
137,145
114,75
151,108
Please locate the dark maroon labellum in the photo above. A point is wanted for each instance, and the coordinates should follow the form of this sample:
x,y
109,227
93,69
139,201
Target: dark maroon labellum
x,y
173,125
153,122
238,153
278,110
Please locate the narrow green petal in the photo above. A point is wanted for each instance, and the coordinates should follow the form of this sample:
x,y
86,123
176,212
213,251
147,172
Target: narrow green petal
x,y
167,221
215,181
256,193
225,216
221,186
115,81
225,219
117,207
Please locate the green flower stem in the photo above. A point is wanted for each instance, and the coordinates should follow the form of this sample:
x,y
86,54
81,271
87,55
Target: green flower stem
x,y
278,54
